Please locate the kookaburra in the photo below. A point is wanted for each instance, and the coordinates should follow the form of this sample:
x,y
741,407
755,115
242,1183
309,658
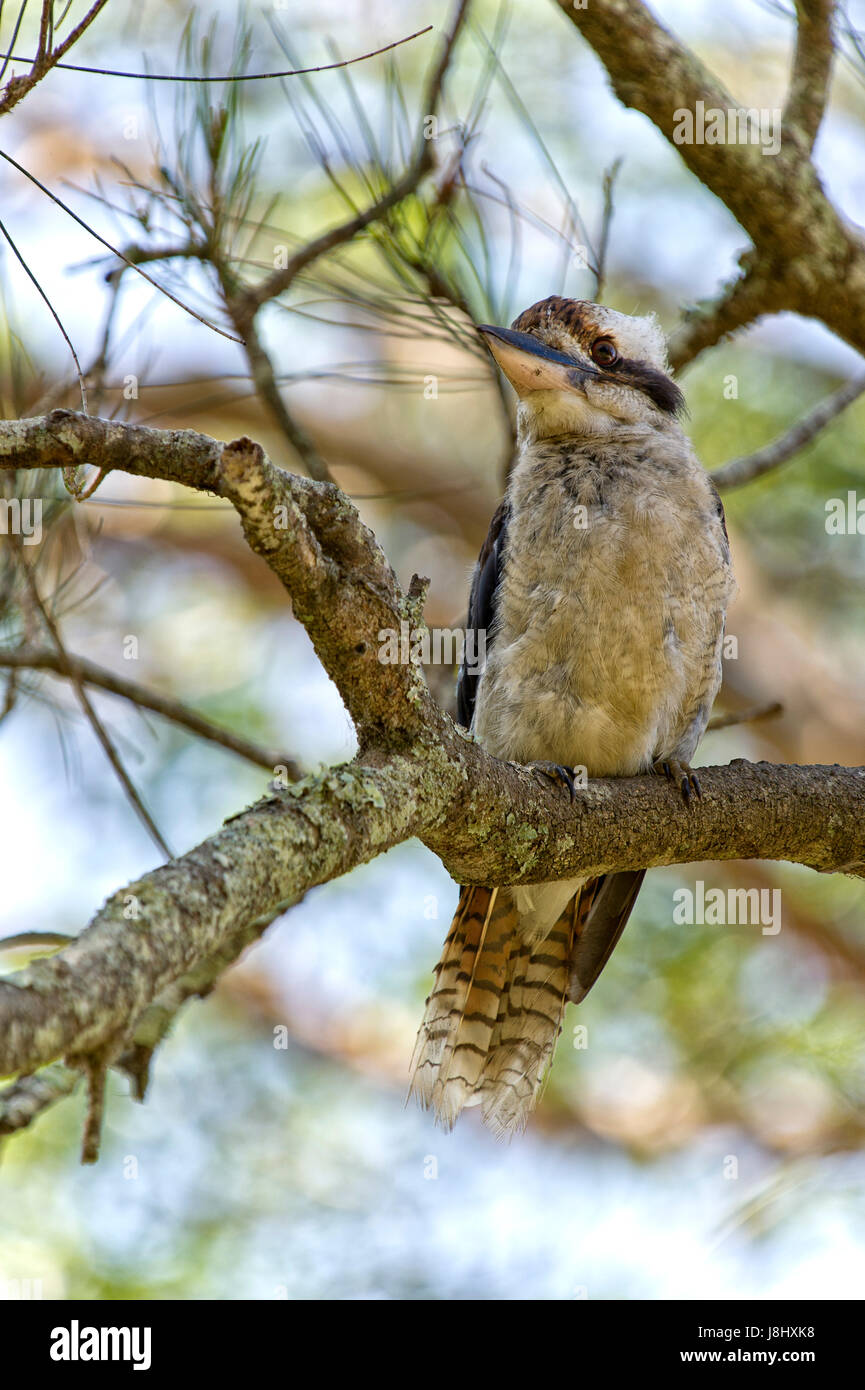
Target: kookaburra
x,y
602,589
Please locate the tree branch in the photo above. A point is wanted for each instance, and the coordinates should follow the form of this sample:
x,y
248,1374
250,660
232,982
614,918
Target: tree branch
x,y
812,66
280,280
89,673
750,295
506,828
770,710
18,87
807,258
750,466
417,774
104,739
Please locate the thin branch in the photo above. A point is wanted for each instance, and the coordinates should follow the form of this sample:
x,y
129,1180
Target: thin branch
x,y
230,77
610,176
264,378
114,250
95,1067
132,793
45,21
21,11
18,87
745,716
750,466
26,1099
54,314
280,280
97,371
90,674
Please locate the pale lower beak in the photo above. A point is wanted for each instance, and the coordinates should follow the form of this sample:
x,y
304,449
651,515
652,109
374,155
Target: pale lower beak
x,y
530,365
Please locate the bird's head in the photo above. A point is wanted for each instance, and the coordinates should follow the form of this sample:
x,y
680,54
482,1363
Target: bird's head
x,y
580,368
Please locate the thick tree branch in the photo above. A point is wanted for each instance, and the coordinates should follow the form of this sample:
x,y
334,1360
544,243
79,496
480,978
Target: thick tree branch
x,y
504,827
417,774
807,258
812,67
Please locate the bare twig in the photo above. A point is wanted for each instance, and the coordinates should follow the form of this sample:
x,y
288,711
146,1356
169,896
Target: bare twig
x,y
265,383
96,724
230,77
745,716
114,250
18,87
97,677
610,176
53,312
750,466
280,280
95,1067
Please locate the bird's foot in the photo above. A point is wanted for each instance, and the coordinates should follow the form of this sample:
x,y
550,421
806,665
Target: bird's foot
x,y
557,774
683,773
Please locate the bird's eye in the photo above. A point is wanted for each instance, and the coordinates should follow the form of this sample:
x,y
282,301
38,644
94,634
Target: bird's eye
x,y
604,353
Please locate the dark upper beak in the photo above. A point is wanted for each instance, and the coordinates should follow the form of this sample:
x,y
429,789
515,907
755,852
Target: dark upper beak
x,y
530,365
525,342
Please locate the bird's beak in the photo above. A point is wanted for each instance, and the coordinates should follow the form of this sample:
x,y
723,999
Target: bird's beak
x,y
530,365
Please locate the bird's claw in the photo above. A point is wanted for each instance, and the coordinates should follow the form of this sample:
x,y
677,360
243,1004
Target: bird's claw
x,y
557,774
683,773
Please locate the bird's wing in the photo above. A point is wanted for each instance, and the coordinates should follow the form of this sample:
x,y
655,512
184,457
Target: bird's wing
x,y
718,588
482,606
612,901
722,517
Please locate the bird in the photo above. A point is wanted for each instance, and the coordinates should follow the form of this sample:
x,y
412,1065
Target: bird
x,y
601,593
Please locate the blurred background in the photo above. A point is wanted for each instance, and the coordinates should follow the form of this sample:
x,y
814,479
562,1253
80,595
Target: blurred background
x,y
704,1136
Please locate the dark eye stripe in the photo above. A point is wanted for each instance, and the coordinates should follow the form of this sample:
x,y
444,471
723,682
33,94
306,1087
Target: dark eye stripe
x,y
653,383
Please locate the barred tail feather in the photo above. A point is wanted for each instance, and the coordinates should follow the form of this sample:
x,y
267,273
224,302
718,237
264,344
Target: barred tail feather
x,y
438,1020
495,1010
461,1010
529,1023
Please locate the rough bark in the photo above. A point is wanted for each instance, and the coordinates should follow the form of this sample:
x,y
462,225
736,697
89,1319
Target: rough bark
x,y
417,774
805,256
